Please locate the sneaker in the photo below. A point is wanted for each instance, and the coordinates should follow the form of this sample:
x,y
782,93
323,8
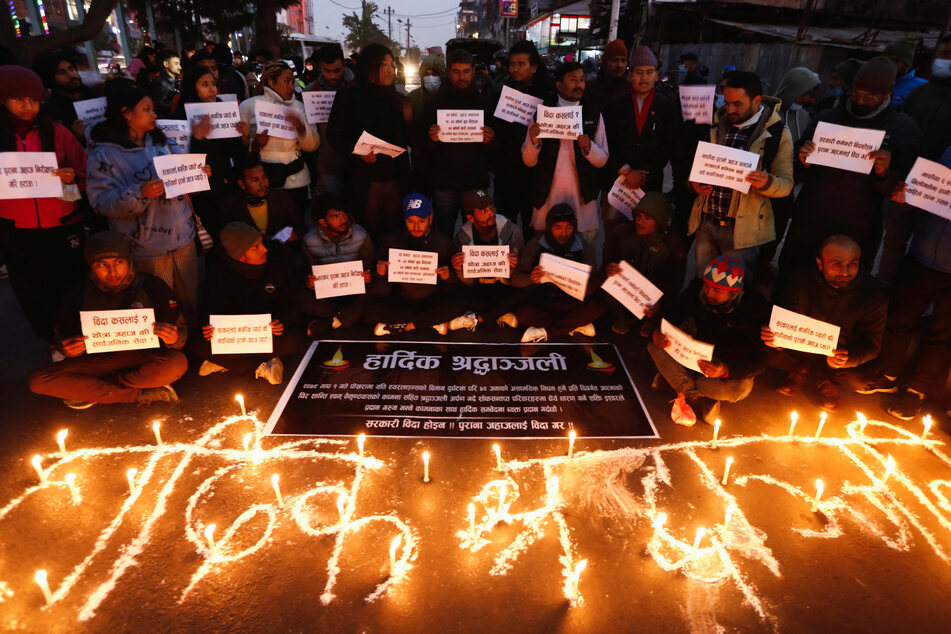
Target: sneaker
x,y
534,335
77,404
792,384
906,404
272,371
388,329
336,323
56,355
621,327
707,409
468,321
207,367
508,319
828,394
587,330
882,384
164,394
442,328
380,330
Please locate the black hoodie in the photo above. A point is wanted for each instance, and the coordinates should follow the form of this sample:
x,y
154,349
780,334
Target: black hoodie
x,y
458,166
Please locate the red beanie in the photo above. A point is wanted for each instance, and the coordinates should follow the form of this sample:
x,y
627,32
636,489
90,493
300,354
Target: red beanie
x,y
617,48
20,82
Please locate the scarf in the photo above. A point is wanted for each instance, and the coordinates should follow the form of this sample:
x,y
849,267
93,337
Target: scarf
x,y
640,114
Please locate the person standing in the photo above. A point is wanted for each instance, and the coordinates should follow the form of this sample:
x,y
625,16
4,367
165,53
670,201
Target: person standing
x,y
168,85
613,79
902,54
58,71
334,77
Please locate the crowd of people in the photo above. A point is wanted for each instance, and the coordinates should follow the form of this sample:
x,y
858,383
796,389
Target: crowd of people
x,y
277,206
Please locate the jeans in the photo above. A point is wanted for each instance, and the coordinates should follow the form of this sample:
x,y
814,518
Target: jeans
x,y
712,240
446,206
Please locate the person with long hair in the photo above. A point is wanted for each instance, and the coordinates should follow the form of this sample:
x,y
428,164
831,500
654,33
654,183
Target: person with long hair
x,y
123,187
283,159
42,238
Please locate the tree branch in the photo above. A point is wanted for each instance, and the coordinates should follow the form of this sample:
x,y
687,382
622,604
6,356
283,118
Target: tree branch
x,y
26,48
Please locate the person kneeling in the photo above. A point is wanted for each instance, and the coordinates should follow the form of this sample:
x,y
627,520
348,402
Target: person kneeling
x,y
126,376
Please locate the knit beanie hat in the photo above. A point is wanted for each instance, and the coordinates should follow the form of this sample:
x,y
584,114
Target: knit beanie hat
x,y
237,238
418,205
657,206
106,244
562,212
725,272
848,68
617,48
902,49
46,64
877,75
20,82
643,56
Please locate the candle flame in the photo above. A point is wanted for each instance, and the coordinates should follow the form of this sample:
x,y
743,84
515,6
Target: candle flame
x,y
61,436
729,514
596,361
337,359
660,520
274,479
700,533
71,479
426,458
247,441
394,545
37,462
361,439
862,421
794,416
341,503
210,536
40,577
130,476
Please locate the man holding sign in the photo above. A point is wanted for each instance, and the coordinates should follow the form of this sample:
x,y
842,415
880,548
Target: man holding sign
x,y
139,376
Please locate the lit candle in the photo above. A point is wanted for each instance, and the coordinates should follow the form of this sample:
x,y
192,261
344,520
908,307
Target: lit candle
x,y
716,432
37,463
425,466
729,514
552,491
822,422
498,456
130,476
660,520
471,519
862,421
394,546
73,490
246,441
889,467
210,538
61,439
571,444
726,471
696,540
240,400
361,438
815,500
341,504
157,428
501,500
575,578
277,491
40,577
927,422
793,419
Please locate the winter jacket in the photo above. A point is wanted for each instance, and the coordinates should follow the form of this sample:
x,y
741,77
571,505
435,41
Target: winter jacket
x,y
859,310
283,150
457,166
281,211
61,107
329,160
356,245
661,256
904,85
579,251
43,213
509,168
432,241
116,170
603,90
507,233
752,211
797,82
164,90
930,106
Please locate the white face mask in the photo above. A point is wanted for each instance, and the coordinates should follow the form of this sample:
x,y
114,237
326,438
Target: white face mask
x,y
431,83
941,68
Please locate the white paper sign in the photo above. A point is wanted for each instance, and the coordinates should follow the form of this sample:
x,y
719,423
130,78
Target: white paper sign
x,y
929,187
88,110
241,334
844,147
369,144
115,330
224,118
460,126
485,261
412,267
559,122
517,107
723,166
228,96
798,332
340,278
568,275
696,103
181,174
623,198
273,118
178,131
317,105
632,289
29,175
683,348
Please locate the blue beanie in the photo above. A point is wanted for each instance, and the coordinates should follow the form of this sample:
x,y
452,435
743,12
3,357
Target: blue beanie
x,y
418,205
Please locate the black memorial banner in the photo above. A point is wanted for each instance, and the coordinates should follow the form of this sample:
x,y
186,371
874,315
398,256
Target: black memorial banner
x,y
480,390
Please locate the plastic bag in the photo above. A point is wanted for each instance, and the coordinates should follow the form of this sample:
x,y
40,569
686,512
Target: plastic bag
x,y
681,413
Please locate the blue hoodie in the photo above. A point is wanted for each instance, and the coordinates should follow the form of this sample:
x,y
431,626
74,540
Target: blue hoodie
x,y
115,171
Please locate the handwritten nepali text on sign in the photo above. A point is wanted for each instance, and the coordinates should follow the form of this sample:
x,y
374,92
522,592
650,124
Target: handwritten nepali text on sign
x,y
568,275
413,267
369,144
798,332
274,118
632,289
696,102
339,278
224,118
178,132
929,187
116,330
559,122
723,166
517,107
241,334
623,198
182,174
460,126
485,261
683,348
88,110
844,147
29,175
317,105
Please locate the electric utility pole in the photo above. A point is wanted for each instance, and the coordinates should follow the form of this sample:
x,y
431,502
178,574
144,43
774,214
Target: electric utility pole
x,y
389,22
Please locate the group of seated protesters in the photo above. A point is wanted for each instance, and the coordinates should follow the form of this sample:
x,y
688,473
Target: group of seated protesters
x,y
261,244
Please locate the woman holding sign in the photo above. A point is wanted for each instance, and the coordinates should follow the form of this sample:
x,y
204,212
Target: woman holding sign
x,y
41,234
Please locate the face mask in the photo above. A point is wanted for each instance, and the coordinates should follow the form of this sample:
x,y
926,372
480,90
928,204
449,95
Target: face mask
x,y
837,91
309,67
681,67
941,68
492,67
794,107
431,83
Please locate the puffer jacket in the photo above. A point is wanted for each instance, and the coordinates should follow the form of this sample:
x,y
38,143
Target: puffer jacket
x,y
283,150
356,245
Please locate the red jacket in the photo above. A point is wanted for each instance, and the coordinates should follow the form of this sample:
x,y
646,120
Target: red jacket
x,y
43,213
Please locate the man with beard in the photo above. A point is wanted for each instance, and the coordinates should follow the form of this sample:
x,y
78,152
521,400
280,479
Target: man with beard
x,y
168,85
334,76
256,203
58,72
455,168
837,292
612,80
